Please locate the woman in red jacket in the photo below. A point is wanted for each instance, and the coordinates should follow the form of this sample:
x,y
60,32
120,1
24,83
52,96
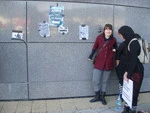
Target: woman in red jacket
x,y
106,45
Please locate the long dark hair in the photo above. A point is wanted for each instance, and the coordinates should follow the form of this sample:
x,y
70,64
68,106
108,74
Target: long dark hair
x,y
127,33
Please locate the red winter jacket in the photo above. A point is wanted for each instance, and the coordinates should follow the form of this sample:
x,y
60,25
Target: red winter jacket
x,y
105,59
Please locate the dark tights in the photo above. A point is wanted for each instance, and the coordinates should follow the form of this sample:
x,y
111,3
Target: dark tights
x,y
137,82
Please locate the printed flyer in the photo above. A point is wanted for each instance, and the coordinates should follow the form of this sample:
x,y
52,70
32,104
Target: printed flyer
x,y
56,15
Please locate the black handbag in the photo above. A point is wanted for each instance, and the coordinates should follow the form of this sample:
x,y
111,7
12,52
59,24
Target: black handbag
x,y
97,52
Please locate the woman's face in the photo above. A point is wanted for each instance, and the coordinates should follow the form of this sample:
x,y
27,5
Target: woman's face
x,y
108,32
121,36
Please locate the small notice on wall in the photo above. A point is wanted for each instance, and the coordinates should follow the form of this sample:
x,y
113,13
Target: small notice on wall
x,y
44,30
18,35
83,32
63,30
56,15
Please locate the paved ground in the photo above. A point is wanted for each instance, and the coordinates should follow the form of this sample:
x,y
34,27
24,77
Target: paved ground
x,y
73,105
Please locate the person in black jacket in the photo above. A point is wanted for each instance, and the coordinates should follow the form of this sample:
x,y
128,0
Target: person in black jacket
x,y
121,64
134,69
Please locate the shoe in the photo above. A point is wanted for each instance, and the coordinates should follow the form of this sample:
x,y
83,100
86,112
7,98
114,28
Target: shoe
x,y
126,109
103,100
96,97
132,111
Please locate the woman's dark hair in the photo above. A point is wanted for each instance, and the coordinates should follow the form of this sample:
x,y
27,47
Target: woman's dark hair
x,y
108,26
127,33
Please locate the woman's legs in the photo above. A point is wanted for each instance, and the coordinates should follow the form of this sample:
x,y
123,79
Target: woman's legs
x,y
120,70
105,75
99,81
137,82
104,78
96,80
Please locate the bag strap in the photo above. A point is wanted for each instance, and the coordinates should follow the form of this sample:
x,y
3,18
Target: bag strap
x,y
102,47
130,43
143,45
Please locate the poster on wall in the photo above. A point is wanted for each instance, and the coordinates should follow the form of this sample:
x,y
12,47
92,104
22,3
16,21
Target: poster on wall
x,y
63,30
56,15
127,92
18,35
83,32
44,30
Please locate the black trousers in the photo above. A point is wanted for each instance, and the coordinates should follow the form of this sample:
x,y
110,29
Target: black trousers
x,y
137,82
120,70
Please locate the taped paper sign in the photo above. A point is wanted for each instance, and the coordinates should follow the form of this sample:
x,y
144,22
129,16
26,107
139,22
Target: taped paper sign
x,y
44,30
17,35
63,30
56,15
83,32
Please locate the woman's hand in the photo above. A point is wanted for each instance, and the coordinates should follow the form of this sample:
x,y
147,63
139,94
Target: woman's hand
x,y
125,77
117,62
90,59
114,50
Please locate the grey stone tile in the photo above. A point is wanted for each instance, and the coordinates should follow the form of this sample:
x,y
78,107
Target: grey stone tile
x,y
81,103
9,107
24,107
39,106
95,105
53,105
1,105
67,105
144,98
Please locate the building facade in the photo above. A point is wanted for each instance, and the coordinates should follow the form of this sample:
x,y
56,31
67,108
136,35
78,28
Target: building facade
x,y
52,61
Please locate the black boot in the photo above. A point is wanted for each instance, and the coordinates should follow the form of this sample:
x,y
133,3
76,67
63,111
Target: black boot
x,y
132,111
103,98
126,109
96,97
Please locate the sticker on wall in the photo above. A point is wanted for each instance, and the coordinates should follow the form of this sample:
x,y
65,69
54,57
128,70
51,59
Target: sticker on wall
x,y
18,35
63,30
56,15
83,32
44,30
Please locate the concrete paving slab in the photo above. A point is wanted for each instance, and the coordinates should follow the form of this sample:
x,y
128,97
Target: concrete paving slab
x,y
144,98
9,107
1,105
86,111
39,106
95,105
144,107
53,105
75,105
108,111
111,101
24,107
81,103
63,112
67,105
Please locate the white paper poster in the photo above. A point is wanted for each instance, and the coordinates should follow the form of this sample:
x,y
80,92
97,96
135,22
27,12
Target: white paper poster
x,y
63,30
127,93
18,35
56,15
83,32
44,30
